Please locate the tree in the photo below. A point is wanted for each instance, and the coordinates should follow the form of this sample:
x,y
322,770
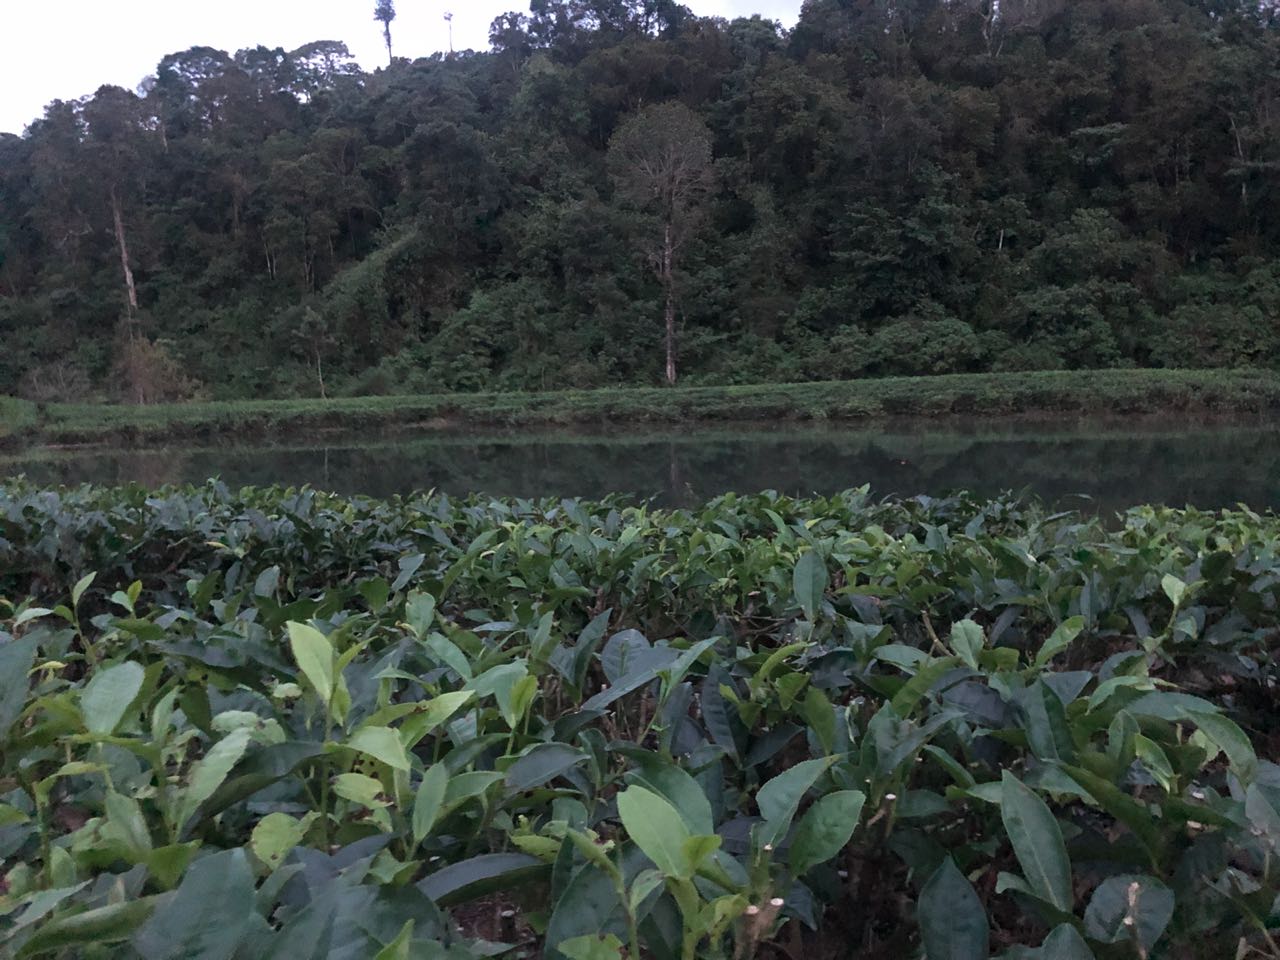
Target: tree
x,y
660,161
384,13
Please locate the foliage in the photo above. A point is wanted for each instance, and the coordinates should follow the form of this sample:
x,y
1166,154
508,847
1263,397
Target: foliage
x,y
242,723
899,188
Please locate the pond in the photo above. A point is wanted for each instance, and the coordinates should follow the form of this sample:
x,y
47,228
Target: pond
x,y
1203,464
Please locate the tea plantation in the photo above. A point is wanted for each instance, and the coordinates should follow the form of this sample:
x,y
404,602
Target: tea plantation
x,y
279,723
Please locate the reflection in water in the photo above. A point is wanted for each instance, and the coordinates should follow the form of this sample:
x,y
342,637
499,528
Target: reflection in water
x,y
1207,466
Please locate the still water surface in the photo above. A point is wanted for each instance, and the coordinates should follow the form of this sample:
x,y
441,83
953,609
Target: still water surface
x,y
1206,465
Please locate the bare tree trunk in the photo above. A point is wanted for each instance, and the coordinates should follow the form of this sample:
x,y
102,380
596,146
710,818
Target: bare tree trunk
x,y
320,372
386,35
668,283
124,258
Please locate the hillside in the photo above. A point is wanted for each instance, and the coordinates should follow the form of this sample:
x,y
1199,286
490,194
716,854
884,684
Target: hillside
x,y
889,189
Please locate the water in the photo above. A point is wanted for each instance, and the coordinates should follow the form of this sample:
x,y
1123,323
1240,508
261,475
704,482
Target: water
x,y
1205,465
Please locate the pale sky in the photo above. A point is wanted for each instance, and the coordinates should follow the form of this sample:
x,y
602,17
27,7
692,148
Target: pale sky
x,y
64,49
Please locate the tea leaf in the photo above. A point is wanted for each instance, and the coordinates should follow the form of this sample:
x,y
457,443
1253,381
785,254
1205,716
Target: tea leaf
x,y
1128,908
314,655
953,923
109,924
1232,740
1059,640
824,829
591,946
400,947
477,876
429,800
16,659
809,579
540,763
207,915
656,829
381,743
109,695
210,770
967,641
1037,842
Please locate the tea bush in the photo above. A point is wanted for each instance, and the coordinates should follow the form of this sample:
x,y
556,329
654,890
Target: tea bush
x,y
276,722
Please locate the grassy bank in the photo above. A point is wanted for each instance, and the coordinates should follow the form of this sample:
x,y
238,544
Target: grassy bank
x,y
1049,394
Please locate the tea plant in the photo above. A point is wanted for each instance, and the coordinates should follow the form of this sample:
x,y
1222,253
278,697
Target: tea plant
x,y
270,723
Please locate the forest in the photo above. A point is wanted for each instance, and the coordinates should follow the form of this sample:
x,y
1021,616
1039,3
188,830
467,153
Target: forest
x,y
620,192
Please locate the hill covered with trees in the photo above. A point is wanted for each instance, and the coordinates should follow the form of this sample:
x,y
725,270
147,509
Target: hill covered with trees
x,y
892,187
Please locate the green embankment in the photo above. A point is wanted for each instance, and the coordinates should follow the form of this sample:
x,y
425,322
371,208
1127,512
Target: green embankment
x,y
1045,393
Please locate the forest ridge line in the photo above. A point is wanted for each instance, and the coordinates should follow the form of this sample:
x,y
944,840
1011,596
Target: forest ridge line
x,y
624,194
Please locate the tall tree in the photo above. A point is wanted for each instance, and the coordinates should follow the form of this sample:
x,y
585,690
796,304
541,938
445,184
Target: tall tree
x,y
384,13
660,160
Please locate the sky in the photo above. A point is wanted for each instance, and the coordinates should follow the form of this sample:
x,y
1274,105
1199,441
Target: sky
x,y
64,49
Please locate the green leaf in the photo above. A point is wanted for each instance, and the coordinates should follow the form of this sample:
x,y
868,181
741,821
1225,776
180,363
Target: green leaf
x,y
276,834
1129,908
967,641
642,886
420,612
468,879
31,613
1173,588
1037,842
592,946
268,580
400,947
1154,759
821,717
447,652
519,697
167,864
39,905
1233,742
109,695
109,924
408,567
679,789
1048,733
473,783
210,770
381,743
953,923
1123,807
429,800
656,828
905,700
16,660
358,788
810,582
540,763
779,798
375,593
259,770
824,829
439,709
207,915
697,849
1063,943
126,825
314,654
81,586
1059,640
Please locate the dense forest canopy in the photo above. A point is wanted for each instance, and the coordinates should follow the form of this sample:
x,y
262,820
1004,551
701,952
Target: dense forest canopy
x,y
893,187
